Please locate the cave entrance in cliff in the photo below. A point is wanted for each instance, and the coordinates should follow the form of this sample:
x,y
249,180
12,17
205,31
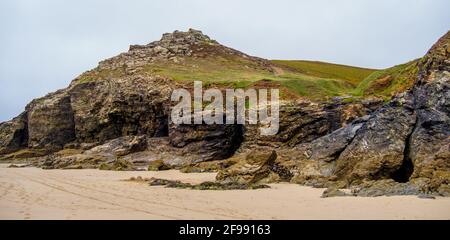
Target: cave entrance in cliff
x,y
163,127
403,174
405,171
237,139
236,132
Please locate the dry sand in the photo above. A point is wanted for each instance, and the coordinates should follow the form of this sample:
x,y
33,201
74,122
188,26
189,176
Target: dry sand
x,y
31,193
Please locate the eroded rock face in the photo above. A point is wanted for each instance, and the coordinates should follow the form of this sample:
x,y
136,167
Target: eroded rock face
x,y
111,108
430,142
91,113
121,146
402,148
306,121
210,142
317,159
14,134
330,147
50,121
378,149
116,99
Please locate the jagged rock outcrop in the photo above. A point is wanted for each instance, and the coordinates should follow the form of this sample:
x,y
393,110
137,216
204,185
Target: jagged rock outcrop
x,y
114,107
174,47
377,151
118,99
305,121
317,159
429,148
406,142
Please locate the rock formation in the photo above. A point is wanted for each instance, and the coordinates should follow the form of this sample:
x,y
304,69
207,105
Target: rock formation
x,y
116,117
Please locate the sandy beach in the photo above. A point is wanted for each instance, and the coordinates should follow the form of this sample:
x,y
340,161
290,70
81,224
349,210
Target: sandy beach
x,y
32,193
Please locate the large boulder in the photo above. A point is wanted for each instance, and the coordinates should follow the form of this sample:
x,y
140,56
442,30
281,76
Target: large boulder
x,y
251,168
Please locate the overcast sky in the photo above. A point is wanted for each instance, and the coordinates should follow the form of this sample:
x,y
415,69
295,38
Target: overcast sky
x,y
44,44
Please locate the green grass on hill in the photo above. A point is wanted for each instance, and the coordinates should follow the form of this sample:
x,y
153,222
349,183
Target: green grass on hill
x,y
314,80
97,75
242,73
388,82
217,70
351,74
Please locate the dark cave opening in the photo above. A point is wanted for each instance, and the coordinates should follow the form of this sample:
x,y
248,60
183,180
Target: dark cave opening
x,y
234,136
405,171
163,127
236,139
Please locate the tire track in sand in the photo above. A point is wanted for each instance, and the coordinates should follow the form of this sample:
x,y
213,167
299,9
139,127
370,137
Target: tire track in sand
x,y
147,201
60,188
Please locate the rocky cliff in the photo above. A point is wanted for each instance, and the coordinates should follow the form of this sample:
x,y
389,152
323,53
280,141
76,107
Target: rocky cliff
x,y
116,116
401,148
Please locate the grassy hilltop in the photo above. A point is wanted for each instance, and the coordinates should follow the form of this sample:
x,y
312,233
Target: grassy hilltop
x,y
189,56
